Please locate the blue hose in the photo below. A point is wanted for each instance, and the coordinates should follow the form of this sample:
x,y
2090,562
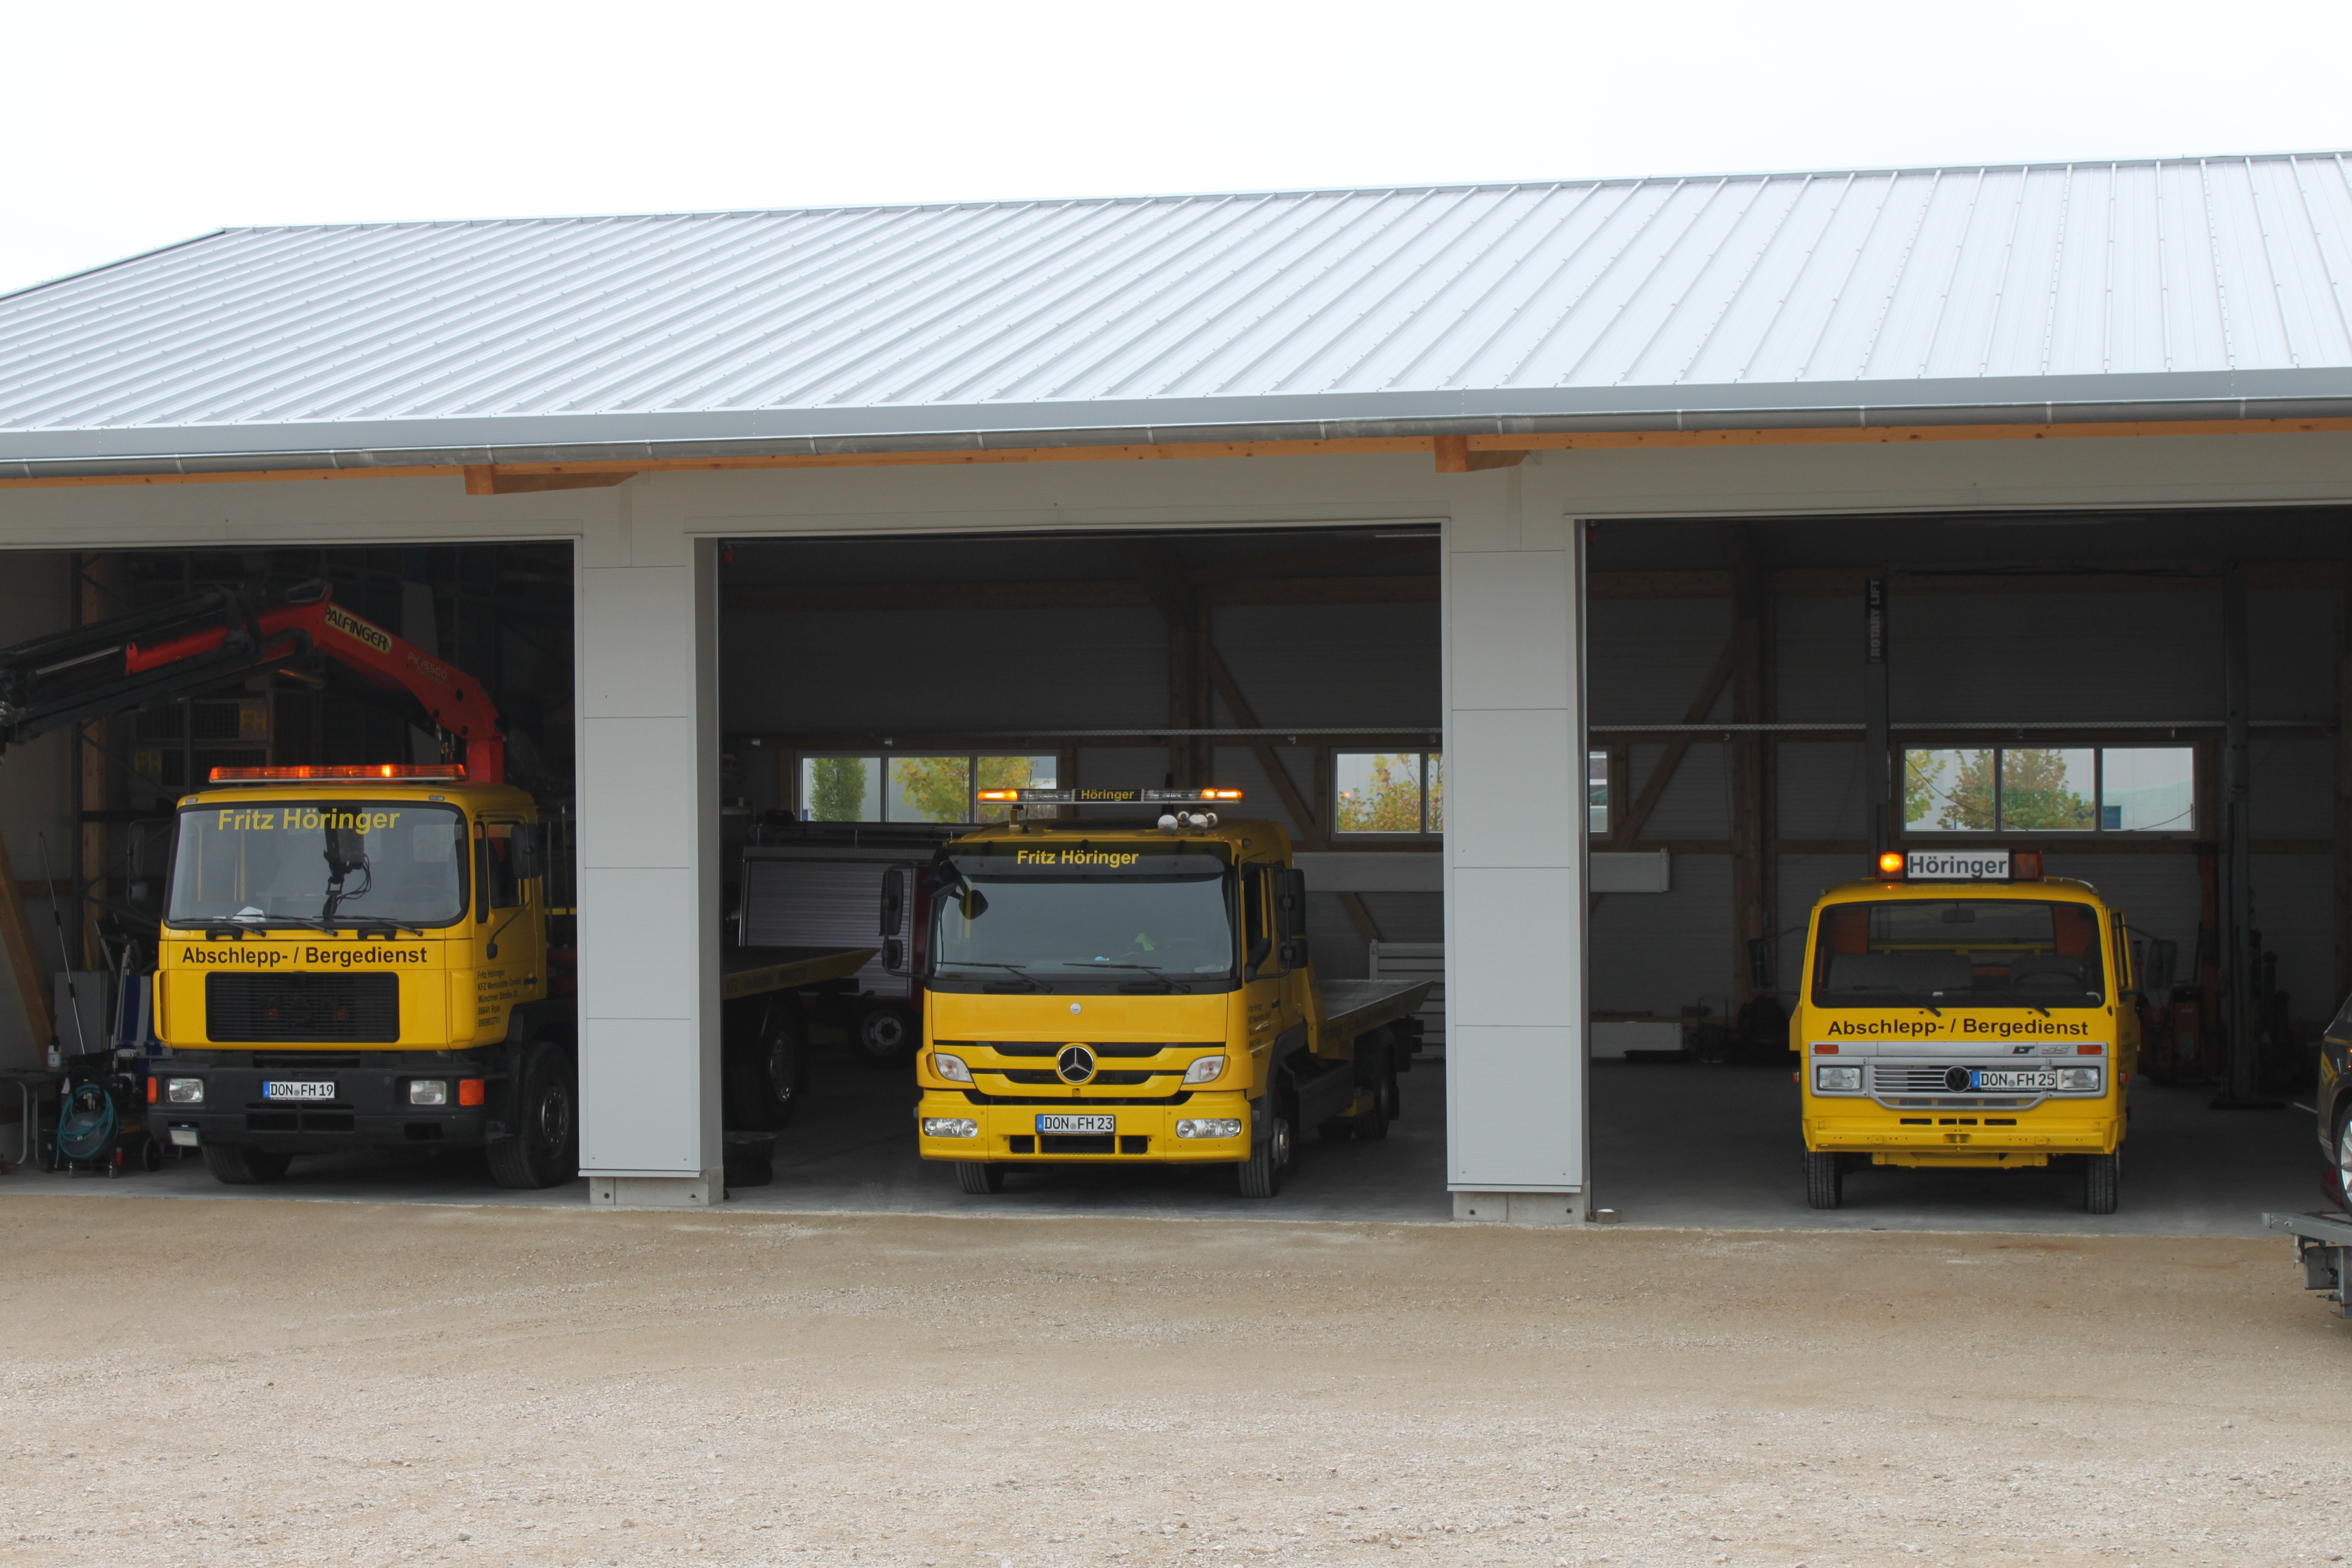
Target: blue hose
x,y
84,1128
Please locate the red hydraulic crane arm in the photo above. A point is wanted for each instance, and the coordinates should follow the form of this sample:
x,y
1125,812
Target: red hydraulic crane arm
x,y
454,700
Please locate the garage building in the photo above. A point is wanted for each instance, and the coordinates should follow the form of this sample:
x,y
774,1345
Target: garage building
x,y
1655,533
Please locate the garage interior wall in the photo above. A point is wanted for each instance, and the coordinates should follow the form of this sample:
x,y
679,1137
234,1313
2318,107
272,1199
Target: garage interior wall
x,y
2110,624
36,796
840,670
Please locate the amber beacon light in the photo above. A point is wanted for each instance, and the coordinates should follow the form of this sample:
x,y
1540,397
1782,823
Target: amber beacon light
x,y
1890,865
353,773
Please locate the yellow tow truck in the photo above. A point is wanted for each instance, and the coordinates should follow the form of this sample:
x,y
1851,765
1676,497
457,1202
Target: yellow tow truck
x,y
1963,1011
1140,992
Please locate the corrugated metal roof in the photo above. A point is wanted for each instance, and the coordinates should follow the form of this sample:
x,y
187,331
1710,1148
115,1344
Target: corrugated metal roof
x,y
2134,290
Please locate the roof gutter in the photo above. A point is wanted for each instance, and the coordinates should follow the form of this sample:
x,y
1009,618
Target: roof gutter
x,y
1445,437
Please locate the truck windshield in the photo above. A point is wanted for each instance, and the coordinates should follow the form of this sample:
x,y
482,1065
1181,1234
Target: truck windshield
x,y
403,863
1958,952
1172,922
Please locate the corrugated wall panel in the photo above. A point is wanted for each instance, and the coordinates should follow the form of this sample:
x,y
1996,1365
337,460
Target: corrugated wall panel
x,y
2295,897
1697,800
1649,658
1822,789
922,671
1374,665
1659,953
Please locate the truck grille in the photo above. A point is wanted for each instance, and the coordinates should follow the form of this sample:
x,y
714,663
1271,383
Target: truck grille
x,y
1889,1079
272,1008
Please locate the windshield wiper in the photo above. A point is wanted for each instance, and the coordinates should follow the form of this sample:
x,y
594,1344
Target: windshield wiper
x,y
1027,980
1163,980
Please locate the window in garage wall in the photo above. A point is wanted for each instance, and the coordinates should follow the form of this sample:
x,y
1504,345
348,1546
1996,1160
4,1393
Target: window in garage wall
x,y
1395,792
929,788
2050,789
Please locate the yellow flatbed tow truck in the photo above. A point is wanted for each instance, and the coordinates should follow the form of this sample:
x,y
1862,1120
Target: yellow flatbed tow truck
x,y
1140,992
1962,1011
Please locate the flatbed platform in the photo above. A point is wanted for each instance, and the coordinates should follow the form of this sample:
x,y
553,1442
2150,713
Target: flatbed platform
x,y
1352,1007
756,971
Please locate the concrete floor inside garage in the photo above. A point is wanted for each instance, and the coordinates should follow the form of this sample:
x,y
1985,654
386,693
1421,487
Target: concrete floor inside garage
x,y
1684,1146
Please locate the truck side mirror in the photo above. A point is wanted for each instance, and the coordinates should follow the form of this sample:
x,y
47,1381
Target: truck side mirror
x,y
893,902
527,846
1290,903
1294,953
1759,962
894,955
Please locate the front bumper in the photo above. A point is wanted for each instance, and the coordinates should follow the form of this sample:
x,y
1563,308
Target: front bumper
x,y
1145,1132
1962,1135
369,1109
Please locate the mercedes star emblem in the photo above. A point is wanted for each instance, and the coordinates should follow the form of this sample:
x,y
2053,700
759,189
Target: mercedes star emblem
x,y
1075,1064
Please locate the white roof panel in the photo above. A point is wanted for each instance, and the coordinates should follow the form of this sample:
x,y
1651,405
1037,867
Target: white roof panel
x,y
2200,287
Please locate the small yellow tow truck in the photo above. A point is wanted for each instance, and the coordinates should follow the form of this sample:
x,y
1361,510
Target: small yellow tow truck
x,y
1962,1011
1140,992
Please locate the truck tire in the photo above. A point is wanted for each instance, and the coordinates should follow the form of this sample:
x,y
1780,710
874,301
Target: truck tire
x,y
979,1177
885,1033
765,1071
1260,1175
239,1165
543,1150
1824,1182
2342,1177
1371,1124
2102,1178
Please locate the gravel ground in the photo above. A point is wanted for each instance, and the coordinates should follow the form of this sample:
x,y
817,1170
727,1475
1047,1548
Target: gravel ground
x,y
196,1382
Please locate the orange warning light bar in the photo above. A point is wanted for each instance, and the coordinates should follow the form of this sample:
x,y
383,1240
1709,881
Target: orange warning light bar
x,y
1890,865
1012,795
346,773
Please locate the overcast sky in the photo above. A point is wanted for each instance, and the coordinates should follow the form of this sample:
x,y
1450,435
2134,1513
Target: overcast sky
x,y
127,126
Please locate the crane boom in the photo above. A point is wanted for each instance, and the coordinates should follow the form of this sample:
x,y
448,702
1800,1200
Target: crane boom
x,y
224,635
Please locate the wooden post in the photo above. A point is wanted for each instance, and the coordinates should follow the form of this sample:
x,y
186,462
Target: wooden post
x,y
24,966
1754,912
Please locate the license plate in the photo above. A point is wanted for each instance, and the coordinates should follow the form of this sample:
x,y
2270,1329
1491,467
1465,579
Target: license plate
x,y
282,1088
1995,1080
1078,1123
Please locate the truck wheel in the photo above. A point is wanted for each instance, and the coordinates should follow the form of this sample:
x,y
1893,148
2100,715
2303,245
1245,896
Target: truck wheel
x,y
1824,1182
763,1074
2343,1193
544,1149
979,1178
1371,1124
1260,1175
1391,1092
885,1033
2102,1177
240,1166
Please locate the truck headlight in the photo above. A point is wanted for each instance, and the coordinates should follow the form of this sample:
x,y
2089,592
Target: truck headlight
x,y
428,1092
1837,1081
1211,1127
2080,1080
1205,1070
949,1126
185,1091
952,1069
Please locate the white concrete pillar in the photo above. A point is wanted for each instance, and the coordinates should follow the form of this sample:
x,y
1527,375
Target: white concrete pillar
x,y
1516,1148
649,761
